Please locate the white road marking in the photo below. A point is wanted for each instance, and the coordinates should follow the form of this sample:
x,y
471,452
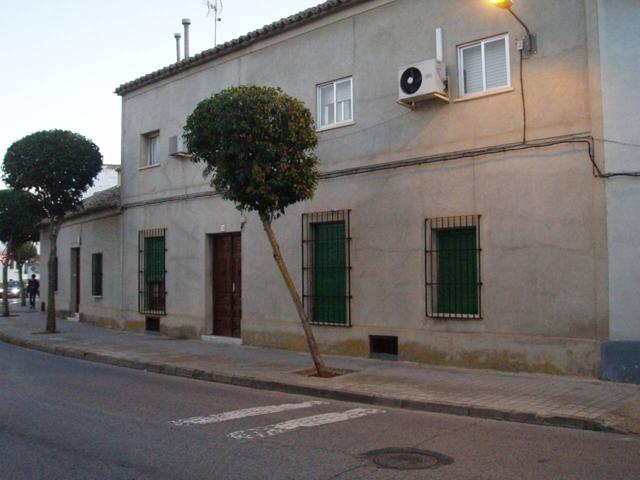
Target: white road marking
x,y
306,422
247,412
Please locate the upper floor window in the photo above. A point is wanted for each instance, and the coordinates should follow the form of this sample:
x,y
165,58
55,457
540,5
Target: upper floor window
x,y
335,103
150,148
484,65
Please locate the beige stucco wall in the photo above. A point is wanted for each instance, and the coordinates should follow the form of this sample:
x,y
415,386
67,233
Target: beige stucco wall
x,y
372,46
98,233
619,35
543,230
543,263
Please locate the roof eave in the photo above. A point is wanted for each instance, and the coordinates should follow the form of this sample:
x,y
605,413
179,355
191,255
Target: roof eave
x,y
276,28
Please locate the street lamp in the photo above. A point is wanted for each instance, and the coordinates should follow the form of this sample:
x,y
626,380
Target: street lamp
x,y
530,44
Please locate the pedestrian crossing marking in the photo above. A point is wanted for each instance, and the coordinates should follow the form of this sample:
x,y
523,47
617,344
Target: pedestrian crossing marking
x,y
247,412
305,422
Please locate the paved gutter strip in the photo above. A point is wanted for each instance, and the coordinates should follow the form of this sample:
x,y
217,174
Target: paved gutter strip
x,y
341,395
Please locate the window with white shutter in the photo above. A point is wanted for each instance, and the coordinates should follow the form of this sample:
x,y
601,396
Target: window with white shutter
x,y
150,154
484,65
335,103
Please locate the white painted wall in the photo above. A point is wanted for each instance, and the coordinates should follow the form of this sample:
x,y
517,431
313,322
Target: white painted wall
x,y
619,22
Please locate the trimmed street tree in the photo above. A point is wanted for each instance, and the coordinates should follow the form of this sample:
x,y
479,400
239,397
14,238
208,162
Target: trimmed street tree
x,y
257,144
23,254
20,214
57,166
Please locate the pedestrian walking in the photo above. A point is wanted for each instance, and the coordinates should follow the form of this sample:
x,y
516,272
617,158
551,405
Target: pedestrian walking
x,y
33,289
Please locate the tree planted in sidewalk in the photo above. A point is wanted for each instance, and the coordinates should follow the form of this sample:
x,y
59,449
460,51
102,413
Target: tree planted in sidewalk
x,y
57,166
25,253
258,147
20,214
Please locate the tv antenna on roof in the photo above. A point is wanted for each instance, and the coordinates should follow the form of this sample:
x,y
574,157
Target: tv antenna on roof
x,y
216,7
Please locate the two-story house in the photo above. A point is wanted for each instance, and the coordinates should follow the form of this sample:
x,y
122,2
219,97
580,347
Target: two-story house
x,y
469,211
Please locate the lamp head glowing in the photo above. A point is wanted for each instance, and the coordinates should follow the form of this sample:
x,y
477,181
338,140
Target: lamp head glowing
x,y
501,3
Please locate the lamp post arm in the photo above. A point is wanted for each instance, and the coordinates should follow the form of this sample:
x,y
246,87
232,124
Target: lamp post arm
x,y
520,21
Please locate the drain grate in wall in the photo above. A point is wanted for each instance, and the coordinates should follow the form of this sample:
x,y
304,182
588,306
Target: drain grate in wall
x,y
383,347
152,324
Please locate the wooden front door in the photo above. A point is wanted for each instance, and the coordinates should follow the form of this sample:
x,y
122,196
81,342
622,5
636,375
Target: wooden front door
x,y
227,284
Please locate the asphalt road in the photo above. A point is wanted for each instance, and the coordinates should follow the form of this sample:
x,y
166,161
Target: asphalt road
x,y
68,419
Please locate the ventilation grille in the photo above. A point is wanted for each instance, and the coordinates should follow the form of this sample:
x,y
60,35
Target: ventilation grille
x,y
152,324
383,347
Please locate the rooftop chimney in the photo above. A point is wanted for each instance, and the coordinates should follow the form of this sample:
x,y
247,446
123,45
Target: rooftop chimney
x,y
186,22
178,36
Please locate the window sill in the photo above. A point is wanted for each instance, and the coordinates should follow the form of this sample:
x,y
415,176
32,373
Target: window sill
x,y
335,125
454,316
97,297
339,325
489,93
147,167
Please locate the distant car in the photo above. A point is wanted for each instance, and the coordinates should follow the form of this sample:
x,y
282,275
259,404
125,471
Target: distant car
x,y
14,289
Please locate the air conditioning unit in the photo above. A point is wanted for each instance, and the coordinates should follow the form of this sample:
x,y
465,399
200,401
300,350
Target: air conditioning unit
x,y
422,81
178,147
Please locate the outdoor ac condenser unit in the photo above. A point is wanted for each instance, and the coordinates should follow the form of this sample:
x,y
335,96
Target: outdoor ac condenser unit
x,y
422,81
178,147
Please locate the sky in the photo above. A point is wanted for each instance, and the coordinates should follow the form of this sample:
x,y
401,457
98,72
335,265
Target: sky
x,y
62,59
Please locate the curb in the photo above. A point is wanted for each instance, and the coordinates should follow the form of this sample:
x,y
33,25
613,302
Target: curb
x,y
328,393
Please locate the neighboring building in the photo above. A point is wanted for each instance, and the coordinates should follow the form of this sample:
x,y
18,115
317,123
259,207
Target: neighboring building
x,y
107,178
435,233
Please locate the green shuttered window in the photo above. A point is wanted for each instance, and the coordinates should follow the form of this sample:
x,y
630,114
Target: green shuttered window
x,y
326,269
96,274
329,279
154,260
152,272
453,267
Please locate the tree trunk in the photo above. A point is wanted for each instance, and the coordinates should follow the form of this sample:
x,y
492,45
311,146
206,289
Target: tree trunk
x,y
5,283
23,293
295,296
51,276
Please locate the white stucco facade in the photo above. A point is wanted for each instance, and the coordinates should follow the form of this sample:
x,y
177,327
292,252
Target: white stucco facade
x,y
619,37
555,244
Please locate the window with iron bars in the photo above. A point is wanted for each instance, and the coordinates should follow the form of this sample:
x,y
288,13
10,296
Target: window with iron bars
x,y
152,272
326,267
96,274
452,264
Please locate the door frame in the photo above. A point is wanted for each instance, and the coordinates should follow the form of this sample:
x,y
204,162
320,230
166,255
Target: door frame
x,y
209,281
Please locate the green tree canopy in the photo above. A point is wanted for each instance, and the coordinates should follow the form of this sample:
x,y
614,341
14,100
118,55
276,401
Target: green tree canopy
x,y
20,214
257,144
25,253
57,166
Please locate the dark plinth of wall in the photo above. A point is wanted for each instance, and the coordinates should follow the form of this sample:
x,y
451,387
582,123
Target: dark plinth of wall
x,y
621,361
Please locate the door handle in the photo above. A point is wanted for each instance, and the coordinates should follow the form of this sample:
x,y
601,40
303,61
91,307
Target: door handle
x,y
233,287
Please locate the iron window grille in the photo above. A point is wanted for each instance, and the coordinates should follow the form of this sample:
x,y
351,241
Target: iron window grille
x,y
96,274
152,272
326,267
452,267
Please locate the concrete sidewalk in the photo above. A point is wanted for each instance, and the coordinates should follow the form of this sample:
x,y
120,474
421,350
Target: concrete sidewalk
x,y
537,399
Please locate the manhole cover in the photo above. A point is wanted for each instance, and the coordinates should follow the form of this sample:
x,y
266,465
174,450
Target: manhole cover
x,y
407,458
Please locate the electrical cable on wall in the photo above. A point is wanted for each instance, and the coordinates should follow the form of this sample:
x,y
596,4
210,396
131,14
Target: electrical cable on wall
x,y
524,105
